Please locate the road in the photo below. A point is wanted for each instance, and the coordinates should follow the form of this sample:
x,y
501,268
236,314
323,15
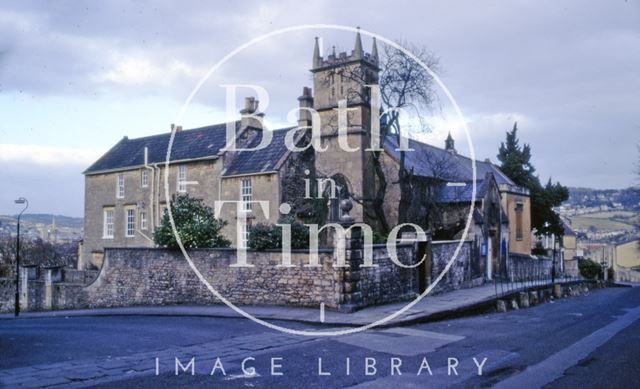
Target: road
x,y
585,341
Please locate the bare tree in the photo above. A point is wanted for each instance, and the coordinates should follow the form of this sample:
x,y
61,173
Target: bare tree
x,y
404,86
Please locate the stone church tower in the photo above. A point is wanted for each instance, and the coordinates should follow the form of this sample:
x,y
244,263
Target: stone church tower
x,y
340,79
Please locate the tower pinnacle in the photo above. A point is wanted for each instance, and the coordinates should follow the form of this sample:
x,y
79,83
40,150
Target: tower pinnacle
x,y
317,60
374,51
357,50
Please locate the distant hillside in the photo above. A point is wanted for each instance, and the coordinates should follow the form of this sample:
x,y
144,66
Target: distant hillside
x,y
627,199
46,218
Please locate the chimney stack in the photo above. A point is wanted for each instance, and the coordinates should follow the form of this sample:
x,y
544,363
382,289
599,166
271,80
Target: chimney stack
x,y
249,117
306,101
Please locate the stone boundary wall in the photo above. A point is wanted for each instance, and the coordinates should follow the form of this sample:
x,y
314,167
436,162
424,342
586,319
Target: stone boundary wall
x,y
524,267
622,274
150,276
465,272
7,294
388,282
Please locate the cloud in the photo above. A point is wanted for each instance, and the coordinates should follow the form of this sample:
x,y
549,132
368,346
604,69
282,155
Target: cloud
x,y
566,72
48,156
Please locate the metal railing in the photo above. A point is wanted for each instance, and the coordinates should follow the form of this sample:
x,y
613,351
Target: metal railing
x,y
524,273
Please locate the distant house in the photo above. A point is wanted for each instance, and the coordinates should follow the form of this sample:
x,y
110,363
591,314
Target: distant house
x,y
569,244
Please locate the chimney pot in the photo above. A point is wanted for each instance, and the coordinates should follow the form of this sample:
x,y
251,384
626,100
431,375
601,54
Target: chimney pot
x,y
248,103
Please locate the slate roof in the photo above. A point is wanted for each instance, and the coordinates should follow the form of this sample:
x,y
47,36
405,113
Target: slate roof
x,y
431,161
262,160
462,191
203,142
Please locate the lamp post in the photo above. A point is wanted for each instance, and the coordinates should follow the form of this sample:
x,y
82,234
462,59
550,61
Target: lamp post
x,y
24,201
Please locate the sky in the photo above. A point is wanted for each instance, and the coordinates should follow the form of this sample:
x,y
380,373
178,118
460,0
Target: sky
x,y
75,77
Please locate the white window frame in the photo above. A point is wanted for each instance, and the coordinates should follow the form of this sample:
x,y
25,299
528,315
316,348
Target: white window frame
x,y
246,194
244,236
107,223
120,186
182,179
129,222
144,178
143,220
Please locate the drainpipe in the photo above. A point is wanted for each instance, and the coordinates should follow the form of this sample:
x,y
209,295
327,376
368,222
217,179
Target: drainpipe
x,y
151,204
157,192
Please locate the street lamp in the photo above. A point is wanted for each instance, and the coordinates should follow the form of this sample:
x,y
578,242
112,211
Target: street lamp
x,y
24,201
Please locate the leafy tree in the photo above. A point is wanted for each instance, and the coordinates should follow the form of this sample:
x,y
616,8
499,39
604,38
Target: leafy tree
x,y
265,236
515,160
195,223
589,269
516,164
404,85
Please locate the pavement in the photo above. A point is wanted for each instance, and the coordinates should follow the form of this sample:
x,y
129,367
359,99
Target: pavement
x,y
431,307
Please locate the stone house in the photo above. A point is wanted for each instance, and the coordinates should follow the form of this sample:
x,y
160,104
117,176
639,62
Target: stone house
x,y
126,191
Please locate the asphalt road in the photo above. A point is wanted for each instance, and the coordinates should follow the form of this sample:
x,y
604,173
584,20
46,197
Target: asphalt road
x,y
586,341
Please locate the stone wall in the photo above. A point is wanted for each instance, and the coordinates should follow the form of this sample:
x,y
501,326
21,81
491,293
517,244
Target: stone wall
x,y
465,272
7,294
622,274
525,267
388,282
148,276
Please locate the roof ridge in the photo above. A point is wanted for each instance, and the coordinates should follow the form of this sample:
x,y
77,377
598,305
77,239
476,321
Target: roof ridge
x,y
182,131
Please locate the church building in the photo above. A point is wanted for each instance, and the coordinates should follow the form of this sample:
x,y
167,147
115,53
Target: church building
x,y
125,189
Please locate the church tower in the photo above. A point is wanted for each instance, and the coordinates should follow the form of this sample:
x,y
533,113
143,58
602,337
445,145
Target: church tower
x,y
339,80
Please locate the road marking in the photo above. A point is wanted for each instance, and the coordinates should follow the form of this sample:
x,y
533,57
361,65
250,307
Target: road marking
x,y
554,367
321,312
425,334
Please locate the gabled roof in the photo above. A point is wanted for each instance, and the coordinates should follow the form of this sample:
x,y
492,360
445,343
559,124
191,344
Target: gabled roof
x,y
197,143
434,162
430,161
262,160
